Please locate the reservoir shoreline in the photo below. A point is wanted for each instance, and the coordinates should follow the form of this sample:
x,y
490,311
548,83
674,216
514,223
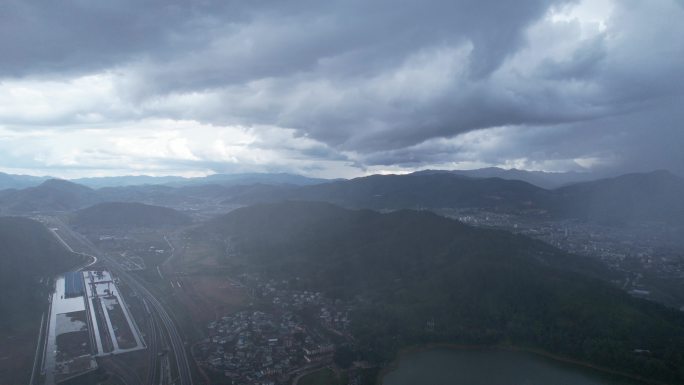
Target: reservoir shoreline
x,y
394,364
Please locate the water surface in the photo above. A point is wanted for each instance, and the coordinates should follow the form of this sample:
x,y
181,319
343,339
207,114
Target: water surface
x,y
491,367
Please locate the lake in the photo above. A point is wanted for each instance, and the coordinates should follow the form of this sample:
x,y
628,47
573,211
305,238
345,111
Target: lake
x,y
491,367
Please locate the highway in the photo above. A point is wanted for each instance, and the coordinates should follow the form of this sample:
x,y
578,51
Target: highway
x,y
174,340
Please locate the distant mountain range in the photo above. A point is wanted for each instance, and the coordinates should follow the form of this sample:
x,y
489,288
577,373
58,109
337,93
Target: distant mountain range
x,y
539,178
476,286
61,195
10,181
416,191
656,196
640,197
547,180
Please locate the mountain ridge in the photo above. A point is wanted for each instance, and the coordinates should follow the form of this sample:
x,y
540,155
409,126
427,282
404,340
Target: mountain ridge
x,y
479,286
543,179
51,195
637,197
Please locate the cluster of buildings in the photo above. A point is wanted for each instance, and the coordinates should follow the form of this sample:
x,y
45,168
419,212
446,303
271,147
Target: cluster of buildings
x,y
642,253
333,318
254,347
334,315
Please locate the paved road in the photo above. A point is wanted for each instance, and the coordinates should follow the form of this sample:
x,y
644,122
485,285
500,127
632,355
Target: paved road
x,y
175,342
40,346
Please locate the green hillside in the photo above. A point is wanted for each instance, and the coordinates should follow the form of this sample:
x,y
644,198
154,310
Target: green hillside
x,y
479,286
128,214
630,198
50,196
28,254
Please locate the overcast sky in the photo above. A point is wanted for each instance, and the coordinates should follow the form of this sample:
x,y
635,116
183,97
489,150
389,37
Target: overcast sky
x,y
339,88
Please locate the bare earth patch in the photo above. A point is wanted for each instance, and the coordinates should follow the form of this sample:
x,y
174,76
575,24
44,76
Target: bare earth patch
x,y
208,297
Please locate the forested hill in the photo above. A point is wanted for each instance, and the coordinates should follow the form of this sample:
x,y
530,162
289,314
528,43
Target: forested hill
x,y
28,253
479,286
631,198
415,191
324,234
51,195
128,214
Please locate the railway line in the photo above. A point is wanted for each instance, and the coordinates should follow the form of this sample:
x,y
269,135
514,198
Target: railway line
x,y
164,326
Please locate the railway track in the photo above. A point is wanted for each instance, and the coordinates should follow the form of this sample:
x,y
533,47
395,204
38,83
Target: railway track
x,y
166,327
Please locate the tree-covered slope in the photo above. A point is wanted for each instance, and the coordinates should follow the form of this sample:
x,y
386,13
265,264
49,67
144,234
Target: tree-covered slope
x,y
638,198
478,286
29,253
51,195
128,214
419,190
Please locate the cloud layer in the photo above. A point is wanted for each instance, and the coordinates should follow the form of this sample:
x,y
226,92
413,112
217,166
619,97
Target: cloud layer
x,y
340,88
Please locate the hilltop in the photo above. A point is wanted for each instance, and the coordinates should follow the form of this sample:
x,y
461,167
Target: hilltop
x,y
51,195
128,214
420,190
479,286
639,197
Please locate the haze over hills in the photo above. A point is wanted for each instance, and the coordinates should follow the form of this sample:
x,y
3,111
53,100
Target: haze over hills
x,y
542,179
216,179
547,180
419,190
8,181
655,196
410,276
639,197
478,286
56,195
128,215
631,198
51,195
11,181
252,178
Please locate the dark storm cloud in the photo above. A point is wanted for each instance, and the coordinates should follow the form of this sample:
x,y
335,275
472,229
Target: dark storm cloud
x,y
80,35
379,83
71,36
288,44
583,64
333,71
